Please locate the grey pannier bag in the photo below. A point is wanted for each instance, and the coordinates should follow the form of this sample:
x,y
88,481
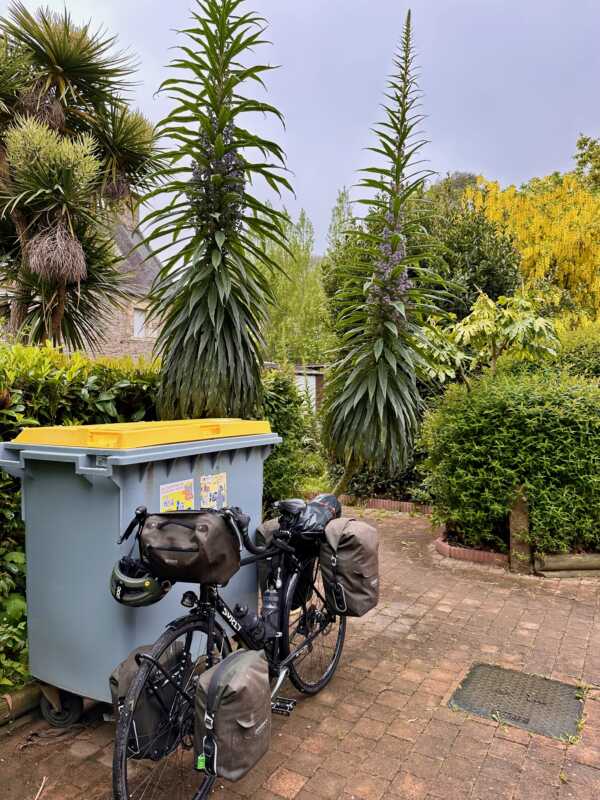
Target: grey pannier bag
x,y
190,546
350,566
233,715
150,735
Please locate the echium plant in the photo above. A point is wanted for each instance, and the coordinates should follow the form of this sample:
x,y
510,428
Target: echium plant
x,y
213,293
386,295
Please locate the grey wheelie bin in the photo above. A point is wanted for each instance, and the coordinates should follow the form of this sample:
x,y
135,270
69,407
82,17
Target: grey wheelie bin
x,y
81,486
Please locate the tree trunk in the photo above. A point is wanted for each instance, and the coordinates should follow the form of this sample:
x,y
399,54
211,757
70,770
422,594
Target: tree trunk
x,y
58,313
342,485
18,309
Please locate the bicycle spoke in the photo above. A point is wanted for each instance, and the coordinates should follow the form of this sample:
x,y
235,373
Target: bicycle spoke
x,y
325,633
161,694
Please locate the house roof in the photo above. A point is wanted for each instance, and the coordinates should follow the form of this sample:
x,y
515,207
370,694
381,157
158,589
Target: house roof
x,y
137,264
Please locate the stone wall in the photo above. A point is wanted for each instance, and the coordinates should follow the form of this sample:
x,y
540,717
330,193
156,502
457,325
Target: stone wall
x,y
126,333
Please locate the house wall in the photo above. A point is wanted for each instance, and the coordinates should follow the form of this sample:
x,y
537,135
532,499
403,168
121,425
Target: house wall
x,y
119,332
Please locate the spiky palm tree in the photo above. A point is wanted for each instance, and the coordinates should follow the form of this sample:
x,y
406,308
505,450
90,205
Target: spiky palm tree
x,y
70,151
372,402
213,292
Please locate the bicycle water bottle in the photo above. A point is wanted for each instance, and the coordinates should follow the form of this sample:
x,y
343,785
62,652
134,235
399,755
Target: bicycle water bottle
x,y
270,613
251,622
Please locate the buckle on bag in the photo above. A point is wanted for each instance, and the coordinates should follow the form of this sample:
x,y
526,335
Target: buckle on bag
x,y
209,748
340,598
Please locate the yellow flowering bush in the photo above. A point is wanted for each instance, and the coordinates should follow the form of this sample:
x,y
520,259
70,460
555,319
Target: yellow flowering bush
x,y
555,222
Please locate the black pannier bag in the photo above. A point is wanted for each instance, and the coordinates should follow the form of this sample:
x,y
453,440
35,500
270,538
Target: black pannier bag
x,y
350,566
233,715
152,735
190,546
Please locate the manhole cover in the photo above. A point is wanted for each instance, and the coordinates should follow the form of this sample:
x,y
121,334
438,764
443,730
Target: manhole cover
x,y
536,704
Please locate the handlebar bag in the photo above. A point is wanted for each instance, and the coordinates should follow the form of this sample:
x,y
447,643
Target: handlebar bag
x,y
193,546
232,724
154,734
349,559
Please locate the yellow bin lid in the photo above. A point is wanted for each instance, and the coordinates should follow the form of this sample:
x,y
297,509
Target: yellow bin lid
x,y
127,435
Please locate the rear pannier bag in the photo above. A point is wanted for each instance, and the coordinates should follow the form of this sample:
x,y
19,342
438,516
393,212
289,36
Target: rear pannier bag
x,y
350,566
151,736
193,546
233,715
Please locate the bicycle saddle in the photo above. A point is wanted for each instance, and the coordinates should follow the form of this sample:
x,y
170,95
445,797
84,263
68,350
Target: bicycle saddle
x,y
292,507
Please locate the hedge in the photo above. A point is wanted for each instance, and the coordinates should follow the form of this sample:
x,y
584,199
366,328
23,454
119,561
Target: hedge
x,y
516,430
580,350
42,386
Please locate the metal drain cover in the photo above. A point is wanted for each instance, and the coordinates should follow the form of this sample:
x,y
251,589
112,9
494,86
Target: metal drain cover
x,y
535,704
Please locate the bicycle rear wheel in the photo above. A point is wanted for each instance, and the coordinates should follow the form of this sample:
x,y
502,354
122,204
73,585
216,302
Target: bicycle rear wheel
x,y
315,666
154,744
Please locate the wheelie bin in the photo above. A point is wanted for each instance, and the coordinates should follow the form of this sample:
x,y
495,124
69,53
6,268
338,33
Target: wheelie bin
x,y
80,488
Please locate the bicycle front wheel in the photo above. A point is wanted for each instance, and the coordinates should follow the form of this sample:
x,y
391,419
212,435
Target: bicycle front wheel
x,y
154,744
313,630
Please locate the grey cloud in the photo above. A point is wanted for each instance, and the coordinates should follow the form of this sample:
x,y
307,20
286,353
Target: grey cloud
x,y
508,84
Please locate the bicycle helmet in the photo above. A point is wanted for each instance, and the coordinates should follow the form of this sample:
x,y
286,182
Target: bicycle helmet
x,y
131,584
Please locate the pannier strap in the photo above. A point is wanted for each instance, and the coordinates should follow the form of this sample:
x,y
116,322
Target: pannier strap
x,y
339,596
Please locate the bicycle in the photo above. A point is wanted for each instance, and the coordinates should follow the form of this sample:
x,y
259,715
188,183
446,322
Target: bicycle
x,y
306,647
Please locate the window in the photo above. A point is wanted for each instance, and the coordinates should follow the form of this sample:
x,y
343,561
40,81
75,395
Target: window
x,y
139,323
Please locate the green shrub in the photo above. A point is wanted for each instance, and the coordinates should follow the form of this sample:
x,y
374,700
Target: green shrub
x,y
297,459
517,430
42,386
580,350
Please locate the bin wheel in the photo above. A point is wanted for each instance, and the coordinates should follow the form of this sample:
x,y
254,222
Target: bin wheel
x,y
70,713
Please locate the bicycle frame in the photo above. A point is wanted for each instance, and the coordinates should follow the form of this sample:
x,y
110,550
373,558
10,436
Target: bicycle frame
x,y
215,610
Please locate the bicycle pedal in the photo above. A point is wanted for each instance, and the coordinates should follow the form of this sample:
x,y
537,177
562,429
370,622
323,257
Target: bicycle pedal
x,y
283,706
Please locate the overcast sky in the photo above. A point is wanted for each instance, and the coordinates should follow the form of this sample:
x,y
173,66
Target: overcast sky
x,y
508,84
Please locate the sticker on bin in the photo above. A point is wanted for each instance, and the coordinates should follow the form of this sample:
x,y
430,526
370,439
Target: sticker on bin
x,y
126,435
213,491
177,496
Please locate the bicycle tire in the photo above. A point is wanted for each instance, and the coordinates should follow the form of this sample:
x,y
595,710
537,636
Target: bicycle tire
x,y
127,769
296,624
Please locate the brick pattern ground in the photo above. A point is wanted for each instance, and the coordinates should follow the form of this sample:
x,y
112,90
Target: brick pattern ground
x,y
382,729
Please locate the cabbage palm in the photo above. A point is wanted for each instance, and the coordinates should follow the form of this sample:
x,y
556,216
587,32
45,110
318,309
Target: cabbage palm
x,y
372,401
71,152
213,293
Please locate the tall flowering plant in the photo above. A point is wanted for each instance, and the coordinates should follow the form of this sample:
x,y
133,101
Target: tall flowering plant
x,y
213,293
387,294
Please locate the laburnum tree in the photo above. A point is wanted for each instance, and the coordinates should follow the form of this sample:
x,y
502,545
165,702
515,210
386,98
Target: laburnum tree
x,y
72,153
213,294
387,295
555,224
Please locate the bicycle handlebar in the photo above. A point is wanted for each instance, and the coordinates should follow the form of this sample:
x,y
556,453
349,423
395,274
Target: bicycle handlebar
x,y
239,522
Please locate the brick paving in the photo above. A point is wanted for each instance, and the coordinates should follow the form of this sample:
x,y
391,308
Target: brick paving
x,y
382,730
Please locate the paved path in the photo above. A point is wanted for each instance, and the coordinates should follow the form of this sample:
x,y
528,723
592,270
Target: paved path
x,y
383,729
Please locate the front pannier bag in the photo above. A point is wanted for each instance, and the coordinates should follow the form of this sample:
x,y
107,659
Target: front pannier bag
x,y
194,546
233,715
350,566
151,736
